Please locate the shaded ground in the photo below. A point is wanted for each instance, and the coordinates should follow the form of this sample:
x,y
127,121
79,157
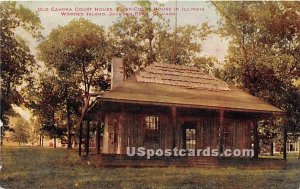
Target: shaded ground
x,y
57,168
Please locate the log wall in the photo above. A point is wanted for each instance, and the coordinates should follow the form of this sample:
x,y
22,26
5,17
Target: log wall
x,y
123,130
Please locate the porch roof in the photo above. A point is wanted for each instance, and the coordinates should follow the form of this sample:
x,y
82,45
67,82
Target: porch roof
x,y
132,91
185,86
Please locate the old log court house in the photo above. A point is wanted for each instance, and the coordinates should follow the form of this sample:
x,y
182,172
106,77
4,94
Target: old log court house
x,y
165,106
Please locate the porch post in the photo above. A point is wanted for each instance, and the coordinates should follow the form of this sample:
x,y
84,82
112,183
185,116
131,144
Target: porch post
x,y
80,137
87,139
255,138
98,137
272,143
174,126
221,131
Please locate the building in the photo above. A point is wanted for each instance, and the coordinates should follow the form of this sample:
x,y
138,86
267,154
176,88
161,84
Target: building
x,y
168,106
292,147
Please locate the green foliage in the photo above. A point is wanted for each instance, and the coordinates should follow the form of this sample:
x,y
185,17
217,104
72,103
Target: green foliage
x,y
77,51
21,130
48,100
35,130
16,60
263,55
142,40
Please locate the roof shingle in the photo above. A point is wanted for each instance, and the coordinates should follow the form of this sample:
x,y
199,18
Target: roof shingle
x,y
182,76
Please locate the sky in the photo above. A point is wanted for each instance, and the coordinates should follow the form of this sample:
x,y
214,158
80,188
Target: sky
x,y
189,12
51,17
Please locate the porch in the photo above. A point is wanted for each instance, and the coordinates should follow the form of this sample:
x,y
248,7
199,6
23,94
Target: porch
x,y
161,126
165,127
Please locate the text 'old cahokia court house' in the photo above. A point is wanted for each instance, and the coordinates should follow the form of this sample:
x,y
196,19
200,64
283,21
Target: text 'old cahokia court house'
x,y
168,106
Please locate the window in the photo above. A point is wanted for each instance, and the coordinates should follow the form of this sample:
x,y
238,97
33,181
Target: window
x,y
152,129
189,135
226,136
292,147
190,138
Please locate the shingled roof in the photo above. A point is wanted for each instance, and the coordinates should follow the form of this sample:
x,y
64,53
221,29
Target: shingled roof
x,y
180,75
184,86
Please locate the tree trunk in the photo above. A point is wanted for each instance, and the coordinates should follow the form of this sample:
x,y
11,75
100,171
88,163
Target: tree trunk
x,y
256,139
271,148
87,140
54,141
1,136
80,138
42,140
69,125
299,147
151,55
19,143
284,132
85,107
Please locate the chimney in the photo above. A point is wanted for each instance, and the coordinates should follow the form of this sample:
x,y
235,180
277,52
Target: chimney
x,y
117,72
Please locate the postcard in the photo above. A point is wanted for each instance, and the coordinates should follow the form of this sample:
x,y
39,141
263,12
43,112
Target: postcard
x,y
150,94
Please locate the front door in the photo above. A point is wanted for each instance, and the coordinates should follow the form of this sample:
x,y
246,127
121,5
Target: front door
x,y
189,135
113,136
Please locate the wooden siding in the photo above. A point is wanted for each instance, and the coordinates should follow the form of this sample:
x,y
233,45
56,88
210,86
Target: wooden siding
x,y
128,130
239,134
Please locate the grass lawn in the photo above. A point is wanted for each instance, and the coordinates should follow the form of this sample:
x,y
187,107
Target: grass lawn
x,y
34,168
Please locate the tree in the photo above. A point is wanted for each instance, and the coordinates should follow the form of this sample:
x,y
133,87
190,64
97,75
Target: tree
x,y
35,130
263,55
16,60
133,37
188,47
66,98
21,131
78,53
142,40
46,101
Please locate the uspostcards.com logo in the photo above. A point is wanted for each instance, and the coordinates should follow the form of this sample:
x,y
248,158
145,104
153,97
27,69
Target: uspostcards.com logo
x,y
149,153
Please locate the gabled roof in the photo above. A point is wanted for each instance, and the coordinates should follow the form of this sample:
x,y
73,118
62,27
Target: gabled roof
x,y
167,84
